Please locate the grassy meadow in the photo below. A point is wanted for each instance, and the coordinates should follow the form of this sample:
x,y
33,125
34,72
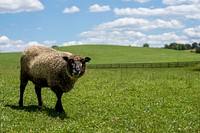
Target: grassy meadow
x,y
124,54
107,100
107,54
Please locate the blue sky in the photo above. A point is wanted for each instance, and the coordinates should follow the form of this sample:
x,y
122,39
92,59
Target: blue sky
x,y
76,22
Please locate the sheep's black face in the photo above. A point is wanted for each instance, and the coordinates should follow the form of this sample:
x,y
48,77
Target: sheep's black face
x,y
76,65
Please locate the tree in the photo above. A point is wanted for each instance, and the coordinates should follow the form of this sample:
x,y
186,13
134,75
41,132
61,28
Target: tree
x,y
197,49
194,45
188,46
166,46
177,46
54,46
173,46
146,45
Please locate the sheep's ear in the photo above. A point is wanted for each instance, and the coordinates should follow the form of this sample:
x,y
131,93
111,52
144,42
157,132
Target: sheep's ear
x,y
65,58
87,59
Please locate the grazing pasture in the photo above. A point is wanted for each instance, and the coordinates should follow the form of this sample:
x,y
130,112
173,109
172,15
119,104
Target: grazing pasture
x,y
108,100
105,54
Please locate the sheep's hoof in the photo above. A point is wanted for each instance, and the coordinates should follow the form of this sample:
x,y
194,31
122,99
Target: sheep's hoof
x,y
60,110
59,107
41,106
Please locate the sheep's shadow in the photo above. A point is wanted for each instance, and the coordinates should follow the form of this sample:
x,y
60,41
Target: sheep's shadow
x,y
33,108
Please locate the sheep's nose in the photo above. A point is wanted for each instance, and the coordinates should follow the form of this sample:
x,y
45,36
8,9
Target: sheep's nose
x,y
78,69
77,73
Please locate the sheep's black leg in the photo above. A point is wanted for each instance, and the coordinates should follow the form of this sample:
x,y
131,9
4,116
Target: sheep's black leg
x,y
59,107
39,96
22,88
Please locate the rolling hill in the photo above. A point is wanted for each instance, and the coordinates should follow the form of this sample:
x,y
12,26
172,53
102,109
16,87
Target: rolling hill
x,y
124,54
107,54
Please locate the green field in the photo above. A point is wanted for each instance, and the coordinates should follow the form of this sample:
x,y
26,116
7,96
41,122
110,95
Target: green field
x,y
124,54
107,54
108,100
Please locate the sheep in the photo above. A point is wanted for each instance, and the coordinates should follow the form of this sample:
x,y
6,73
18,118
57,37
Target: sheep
x,y
47,67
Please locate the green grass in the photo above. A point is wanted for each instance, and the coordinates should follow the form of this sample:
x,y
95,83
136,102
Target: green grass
x,y
108,100
107,54
9,59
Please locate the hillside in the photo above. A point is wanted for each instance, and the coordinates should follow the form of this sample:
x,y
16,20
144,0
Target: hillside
x,y
125,54
104,54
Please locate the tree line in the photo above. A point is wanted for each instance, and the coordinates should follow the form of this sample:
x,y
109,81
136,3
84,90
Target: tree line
x,y
178,46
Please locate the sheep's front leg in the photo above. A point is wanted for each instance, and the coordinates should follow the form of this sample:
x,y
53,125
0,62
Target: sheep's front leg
x,y
59,107
39,96
22,88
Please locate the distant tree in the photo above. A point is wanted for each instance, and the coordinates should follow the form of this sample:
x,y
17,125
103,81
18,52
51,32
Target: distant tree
x,y
197,49
177,46
146,45
54,46
166,46
173,46
194,45
183,47
188,46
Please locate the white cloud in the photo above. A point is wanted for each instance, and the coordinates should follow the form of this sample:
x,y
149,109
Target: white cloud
x,y
167,38
49,43
92,33
106,40
71,43
8,45
135,32
132,38
98,8
33,43
111,34
187,11
139,24
177,2
111,37
16,6
193,32
195,16
4,40
140,1
72,9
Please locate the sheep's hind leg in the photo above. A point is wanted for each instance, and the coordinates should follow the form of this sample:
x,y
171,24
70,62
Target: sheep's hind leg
x,y
22,88
59,107
39,96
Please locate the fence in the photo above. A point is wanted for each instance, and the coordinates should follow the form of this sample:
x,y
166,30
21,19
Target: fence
x,y
144,65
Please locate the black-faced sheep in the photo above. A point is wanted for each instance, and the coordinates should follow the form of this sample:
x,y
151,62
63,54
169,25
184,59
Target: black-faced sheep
x,y
47,67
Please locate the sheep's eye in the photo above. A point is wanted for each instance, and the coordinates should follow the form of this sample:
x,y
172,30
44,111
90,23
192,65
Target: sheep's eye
x,y
71,61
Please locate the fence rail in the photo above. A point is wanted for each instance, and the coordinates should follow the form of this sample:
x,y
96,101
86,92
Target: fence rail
x,y
135,65
144,65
